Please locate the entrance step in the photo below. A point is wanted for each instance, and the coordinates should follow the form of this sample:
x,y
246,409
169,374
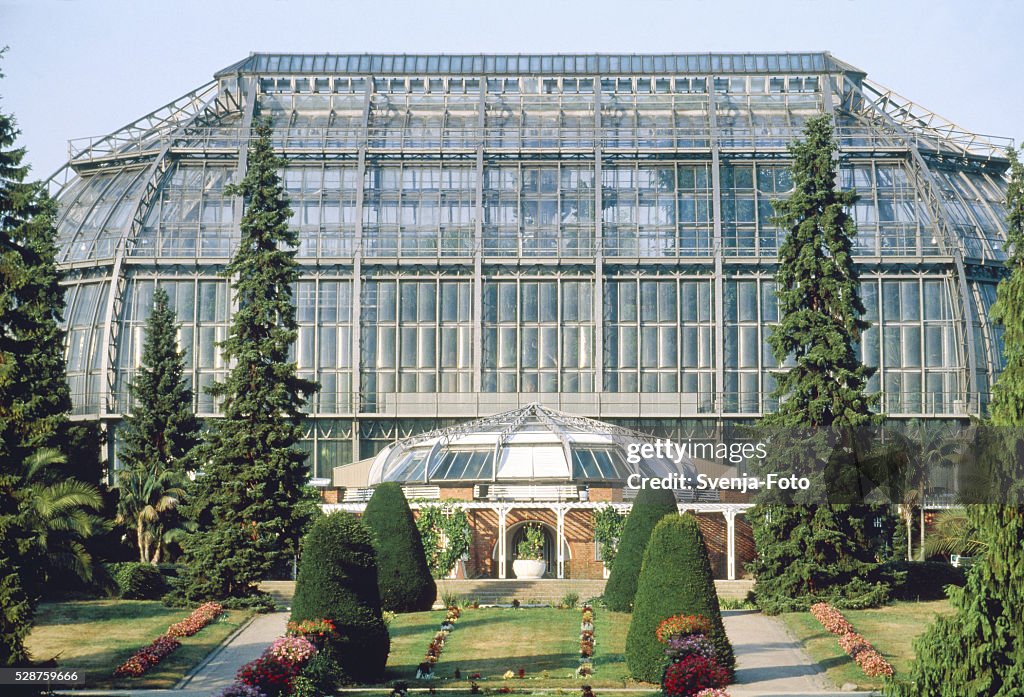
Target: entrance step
x,y
280,591
493,591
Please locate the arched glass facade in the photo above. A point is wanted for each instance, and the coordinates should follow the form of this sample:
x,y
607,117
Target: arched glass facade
x,y
479,233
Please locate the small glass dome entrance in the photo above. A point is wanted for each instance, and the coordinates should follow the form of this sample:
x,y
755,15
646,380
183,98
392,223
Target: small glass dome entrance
x,y
533,444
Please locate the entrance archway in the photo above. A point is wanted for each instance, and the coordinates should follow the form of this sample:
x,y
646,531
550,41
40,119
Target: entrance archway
x,y
515,535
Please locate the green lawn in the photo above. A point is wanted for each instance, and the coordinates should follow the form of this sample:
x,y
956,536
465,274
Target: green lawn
x,y
95,636
890,629
490,641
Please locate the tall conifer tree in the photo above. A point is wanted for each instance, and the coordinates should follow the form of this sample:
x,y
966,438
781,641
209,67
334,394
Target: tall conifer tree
x,y
249,499
162,428
33,388
158,436
808,551
979,649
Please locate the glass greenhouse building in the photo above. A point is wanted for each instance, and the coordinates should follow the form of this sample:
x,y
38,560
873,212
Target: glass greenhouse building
x,y
480,233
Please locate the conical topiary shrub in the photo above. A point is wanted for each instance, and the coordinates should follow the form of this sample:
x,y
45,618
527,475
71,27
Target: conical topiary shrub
x,y
403,576
338,581
650,506
675,579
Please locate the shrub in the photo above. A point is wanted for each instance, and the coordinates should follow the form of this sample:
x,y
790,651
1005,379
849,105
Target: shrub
x,y
675,579
569,601
139,581
338,581
693,674
324,672
403,576
650,506
924,580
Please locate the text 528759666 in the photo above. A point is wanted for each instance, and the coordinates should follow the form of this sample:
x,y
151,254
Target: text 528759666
x,y
29,676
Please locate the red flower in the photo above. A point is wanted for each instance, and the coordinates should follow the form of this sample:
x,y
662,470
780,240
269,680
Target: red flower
x,y
691,674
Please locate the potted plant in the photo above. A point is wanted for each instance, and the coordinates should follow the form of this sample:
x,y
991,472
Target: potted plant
x,y
529,562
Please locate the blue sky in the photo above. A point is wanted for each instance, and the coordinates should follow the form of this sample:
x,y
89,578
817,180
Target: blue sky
x,y
80,68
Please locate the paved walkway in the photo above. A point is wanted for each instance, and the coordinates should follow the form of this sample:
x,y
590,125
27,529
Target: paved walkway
x,y
219,669
769,661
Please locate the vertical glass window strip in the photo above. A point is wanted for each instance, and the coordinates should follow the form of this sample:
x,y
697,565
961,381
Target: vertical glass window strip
x,y
417,337
694,193
743,344
323,203
739,217
212,319
659,338
419,210
774,183
84,349
538,336
501,211
920,362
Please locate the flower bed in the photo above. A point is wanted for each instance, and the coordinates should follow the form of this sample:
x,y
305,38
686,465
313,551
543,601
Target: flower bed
x,y
426,669
147,657
831,619
693,668
200,617
162,646
281,662
316,632
586,642
854,645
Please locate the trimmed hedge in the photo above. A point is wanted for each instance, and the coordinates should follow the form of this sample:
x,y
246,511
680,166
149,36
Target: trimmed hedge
x,y
675,579
338,581
650,506
403,576
139,581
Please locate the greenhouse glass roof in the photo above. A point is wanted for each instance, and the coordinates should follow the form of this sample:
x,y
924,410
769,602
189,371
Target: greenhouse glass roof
x,y
533,444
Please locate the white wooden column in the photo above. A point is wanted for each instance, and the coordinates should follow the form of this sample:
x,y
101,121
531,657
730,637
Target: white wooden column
x,y
730,535
560,516
502,522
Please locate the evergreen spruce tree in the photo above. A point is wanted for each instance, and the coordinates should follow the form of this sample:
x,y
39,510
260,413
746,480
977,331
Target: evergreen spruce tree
x,y
649,507
158,437
246,498
46,397
162,429
402,571
33,390
813,551
979,649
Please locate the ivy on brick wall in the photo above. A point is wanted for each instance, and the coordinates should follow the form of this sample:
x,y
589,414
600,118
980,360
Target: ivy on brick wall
x,y
446,536
608,524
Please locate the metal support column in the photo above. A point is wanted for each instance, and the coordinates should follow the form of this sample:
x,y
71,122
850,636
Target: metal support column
x,y
355,399
502,523
560,517
719,281
730,535
598,247
478,247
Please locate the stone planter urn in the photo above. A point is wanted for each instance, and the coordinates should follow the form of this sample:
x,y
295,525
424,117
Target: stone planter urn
x,y
529,568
